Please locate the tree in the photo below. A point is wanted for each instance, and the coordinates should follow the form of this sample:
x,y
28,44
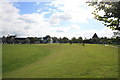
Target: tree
x,y
111,18
74,40
41,40
12,40
60,40
4,40
27,41
32,39
55,40
80,40
117,34
65,40
103,40
47,39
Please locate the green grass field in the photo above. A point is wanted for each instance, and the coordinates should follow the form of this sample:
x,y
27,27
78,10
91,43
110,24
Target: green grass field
x,y
59,61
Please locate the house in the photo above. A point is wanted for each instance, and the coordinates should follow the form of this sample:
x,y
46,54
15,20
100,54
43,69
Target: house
x,y
20,40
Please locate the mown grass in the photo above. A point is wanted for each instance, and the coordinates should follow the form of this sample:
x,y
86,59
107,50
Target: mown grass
x,y
20,55
59,61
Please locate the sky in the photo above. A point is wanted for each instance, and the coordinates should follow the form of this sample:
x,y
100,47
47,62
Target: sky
x,y
60,18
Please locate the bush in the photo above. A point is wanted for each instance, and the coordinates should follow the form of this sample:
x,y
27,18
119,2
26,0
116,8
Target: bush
x,y
83,44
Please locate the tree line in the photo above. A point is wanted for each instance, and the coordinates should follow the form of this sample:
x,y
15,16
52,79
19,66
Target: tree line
x,y
49,39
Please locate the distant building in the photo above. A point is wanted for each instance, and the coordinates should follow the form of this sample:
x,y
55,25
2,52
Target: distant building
x,y
20,40
95,39
95,36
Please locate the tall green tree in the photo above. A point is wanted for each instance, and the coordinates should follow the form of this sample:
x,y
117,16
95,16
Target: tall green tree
x,y
111,18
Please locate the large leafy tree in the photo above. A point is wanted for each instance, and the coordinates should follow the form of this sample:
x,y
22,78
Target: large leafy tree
x,y
111,17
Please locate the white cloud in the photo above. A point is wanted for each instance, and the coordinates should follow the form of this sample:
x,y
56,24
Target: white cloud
x,y
8,16
22,25
78,10
65,29
58,17
38,10
106,32
37,3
